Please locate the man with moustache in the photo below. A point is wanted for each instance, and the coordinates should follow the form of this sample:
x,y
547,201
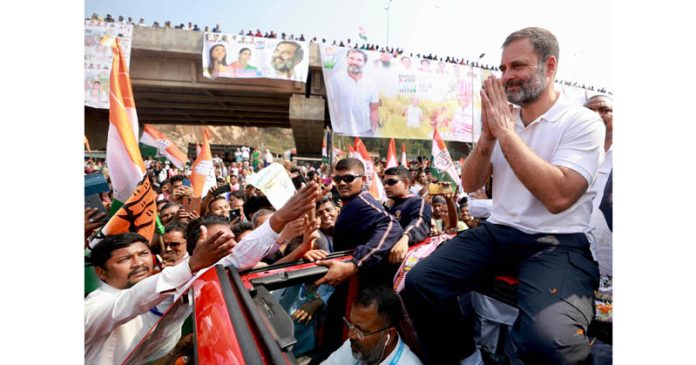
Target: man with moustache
x,y
173,249
286,55
602,233
354,97
543,155
131,299
373,337
410,210
602,247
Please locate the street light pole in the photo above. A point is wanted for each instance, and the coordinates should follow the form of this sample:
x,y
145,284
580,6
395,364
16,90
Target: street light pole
x,y
387,9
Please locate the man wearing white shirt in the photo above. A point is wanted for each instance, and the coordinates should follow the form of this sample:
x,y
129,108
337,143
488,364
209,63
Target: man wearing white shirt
x,y
122,311
245,153
414,114
354,98
542,157
601,234
372,334
129,302
267,158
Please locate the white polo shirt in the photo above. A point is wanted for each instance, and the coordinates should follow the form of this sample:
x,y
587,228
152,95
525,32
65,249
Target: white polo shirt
x,y
568,135
351,101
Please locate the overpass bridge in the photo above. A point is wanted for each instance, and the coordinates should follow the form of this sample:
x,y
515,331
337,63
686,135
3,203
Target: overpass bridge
x,y
169,88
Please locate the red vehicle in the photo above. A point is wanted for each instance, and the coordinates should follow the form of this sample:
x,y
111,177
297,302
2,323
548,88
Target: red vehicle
x,y
238,321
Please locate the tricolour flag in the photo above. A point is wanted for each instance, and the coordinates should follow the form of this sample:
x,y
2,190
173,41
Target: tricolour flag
x,y
374,184
391,154
126,168
362,33
154,143
442,166
324,152
202,173
404,163
123,157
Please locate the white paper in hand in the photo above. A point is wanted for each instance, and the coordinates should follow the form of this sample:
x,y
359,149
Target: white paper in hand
x,y
274,181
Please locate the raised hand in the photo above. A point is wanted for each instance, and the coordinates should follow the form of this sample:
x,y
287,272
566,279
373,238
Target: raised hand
x,y
297,206
210,250
498,118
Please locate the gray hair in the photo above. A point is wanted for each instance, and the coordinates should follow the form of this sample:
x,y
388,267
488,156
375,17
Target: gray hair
x,y
544,42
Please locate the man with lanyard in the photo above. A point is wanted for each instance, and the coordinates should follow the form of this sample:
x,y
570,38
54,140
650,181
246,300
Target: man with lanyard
x,y
411,211
373,337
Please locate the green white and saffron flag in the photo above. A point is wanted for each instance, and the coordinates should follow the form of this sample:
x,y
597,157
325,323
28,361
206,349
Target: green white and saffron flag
x,y
442,166
362,33
133,208
154,143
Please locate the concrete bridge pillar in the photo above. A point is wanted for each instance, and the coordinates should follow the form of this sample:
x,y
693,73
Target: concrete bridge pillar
x,y
307,120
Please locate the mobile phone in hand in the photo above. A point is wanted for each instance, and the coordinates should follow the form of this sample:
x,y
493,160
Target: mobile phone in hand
x,y
235,213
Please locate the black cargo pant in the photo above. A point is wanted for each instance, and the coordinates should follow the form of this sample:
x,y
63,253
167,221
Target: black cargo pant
x,y
555,296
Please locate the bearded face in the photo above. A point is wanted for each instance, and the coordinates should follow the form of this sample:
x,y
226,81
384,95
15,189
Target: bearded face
x,y
523,92
367,355
355,63
284,57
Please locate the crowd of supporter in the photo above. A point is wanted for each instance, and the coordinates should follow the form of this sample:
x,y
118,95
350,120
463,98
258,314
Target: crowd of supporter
x,y
244,208
394,51
551,226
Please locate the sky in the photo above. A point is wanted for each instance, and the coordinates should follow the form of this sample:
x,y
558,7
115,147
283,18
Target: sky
x,y
445,28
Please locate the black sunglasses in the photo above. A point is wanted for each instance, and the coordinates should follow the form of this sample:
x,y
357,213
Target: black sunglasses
x,y
390,182
173,244
347,178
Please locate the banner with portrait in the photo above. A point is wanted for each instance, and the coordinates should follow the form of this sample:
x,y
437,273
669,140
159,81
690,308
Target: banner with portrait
x,y
373,94
98,59
240,56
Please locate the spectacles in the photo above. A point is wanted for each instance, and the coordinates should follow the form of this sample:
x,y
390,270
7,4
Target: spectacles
x,y
171,244
390,182
347,178
360,334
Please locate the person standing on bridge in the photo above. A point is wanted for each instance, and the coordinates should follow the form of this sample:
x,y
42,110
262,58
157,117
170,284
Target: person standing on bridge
x,y
354,97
